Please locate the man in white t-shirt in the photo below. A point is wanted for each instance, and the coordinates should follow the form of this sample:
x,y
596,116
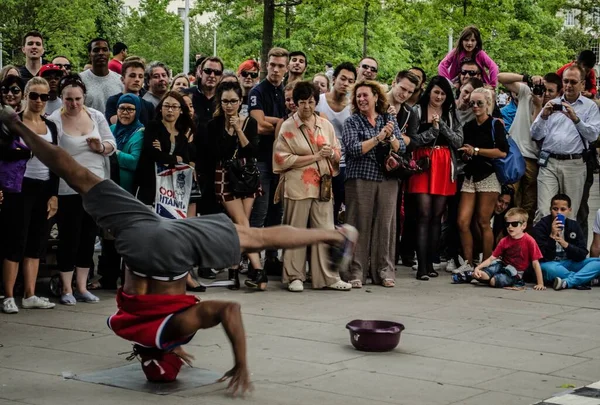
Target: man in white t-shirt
x,y
336,106
100,82
528,107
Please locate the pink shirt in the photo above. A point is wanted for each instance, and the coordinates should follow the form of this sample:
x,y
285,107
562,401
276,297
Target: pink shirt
x,y
450,67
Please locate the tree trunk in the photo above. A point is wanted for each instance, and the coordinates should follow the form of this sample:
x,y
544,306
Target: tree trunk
x,y
365,32
267,38
288,20
465,7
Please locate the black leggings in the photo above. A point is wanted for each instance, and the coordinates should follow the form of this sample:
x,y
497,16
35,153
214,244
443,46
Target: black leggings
x,y
76,234
430,209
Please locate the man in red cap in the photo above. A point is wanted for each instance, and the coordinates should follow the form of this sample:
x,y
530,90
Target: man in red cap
x,y
52,73
154,311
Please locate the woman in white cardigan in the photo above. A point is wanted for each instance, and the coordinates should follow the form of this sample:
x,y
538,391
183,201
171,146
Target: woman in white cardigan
x,y
85,134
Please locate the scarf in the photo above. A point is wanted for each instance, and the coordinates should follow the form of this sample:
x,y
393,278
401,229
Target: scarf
x,y
123,133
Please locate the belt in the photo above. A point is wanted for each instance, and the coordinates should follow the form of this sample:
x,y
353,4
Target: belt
x,y
566,157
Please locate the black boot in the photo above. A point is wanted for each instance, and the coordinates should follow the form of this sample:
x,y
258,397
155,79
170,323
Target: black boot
x,y
258,280
234,276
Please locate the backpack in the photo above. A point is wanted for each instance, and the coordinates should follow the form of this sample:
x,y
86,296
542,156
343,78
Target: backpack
x,y
511,168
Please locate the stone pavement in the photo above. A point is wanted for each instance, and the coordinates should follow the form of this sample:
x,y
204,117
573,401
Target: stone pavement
x,y
462,345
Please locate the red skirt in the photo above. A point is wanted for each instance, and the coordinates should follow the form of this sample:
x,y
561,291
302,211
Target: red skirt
x,y
142,318
438,179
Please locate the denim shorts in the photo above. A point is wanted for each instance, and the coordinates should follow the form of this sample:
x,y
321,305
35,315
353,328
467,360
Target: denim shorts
x,y
504,275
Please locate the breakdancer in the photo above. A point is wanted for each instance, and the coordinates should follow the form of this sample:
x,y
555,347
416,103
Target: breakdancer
x,y
153,310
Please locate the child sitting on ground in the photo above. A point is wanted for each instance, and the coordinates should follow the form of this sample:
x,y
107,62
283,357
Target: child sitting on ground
x,y
515,253
563,246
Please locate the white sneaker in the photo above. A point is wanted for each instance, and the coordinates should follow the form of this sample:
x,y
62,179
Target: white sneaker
x,y
436,266
451,266
296,286
9,306
464,268
36,302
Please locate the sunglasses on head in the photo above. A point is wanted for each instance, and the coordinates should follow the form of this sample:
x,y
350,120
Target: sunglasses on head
x,y
210,71
514,224
253,75
12,89
477,103
371,68
66,66
34,96
469,72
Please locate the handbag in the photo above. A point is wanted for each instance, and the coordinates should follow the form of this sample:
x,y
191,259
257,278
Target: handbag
x,y
242,173
510,168
325,184
12,172
590,155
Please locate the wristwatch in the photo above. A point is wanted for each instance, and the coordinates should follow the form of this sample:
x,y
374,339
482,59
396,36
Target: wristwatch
x,y
475,151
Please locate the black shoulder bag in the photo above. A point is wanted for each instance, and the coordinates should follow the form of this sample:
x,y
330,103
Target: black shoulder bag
x,y
244,177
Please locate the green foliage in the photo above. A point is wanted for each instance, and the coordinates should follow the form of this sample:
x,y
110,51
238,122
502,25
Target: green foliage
x,y
520,35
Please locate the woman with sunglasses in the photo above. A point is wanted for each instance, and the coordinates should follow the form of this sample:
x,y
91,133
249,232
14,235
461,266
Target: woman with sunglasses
x,y
27,214
438,137
165,142
248,76
230,136
12,92
485,140
84,133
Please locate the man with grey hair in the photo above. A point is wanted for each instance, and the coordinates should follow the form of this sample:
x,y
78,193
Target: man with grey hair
x,y
157,77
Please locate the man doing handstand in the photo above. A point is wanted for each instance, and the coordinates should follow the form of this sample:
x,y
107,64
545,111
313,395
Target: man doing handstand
x,y
153,310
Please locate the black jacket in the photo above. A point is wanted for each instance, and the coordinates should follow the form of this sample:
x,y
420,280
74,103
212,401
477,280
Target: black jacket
x,y
145,177
576,250
408,122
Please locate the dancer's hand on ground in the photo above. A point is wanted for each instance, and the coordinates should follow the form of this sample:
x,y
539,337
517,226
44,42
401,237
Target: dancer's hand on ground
x,y
240,380
185,356
539,287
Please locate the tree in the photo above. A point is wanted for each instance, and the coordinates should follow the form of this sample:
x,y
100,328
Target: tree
x,y
155,34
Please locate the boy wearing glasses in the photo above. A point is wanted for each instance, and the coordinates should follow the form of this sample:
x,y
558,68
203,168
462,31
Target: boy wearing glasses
x,y
562,243
514,255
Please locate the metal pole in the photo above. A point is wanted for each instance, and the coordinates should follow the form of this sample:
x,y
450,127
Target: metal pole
x,y
215,43
186,38
450,40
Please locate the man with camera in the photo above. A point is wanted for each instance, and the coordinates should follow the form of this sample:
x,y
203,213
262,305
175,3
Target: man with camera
x,y
528,92
566,126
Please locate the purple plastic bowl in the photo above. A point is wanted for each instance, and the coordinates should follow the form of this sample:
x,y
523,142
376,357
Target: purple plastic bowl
x,y
374,336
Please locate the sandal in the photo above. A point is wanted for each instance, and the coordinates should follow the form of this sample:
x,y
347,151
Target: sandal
x,y
340,286
388,283
422,276
356,283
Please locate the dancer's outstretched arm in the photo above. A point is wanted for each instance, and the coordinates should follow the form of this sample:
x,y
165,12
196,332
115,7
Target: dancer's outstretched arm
x,y
55,158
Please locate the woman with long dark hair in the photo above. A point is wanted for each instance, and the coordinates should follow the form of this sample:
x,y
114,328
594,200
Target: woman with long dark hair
x,y
438,138
231,136
165,142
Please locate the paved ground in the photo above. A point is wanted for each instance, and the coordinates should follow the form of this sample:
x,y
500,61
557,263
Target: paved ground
x,y
462,345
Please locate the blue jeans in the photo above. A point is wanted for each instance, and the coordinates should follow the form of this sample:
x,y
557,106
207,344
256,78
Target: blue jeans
x,y
339,195
574,273
265,212
503,275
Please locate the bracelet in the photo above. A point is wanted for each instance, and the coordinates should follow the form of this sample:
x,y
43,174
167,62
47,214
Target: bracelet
x,y
103,149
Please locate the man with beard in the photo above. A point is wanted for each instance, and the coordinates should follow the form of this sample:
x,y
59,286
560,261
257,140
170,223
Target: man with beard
x,y
100,82
296,66
52,74
132,76
157,77
248,76
367,69
63,63
33,48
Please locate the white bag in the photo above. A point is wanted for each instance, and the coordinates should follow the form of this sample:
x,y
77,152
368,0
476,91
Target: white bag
x,y
173,189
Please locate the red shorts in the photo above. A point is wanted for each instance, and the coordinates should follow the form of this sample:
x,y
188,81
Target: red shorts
x,y
142,318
